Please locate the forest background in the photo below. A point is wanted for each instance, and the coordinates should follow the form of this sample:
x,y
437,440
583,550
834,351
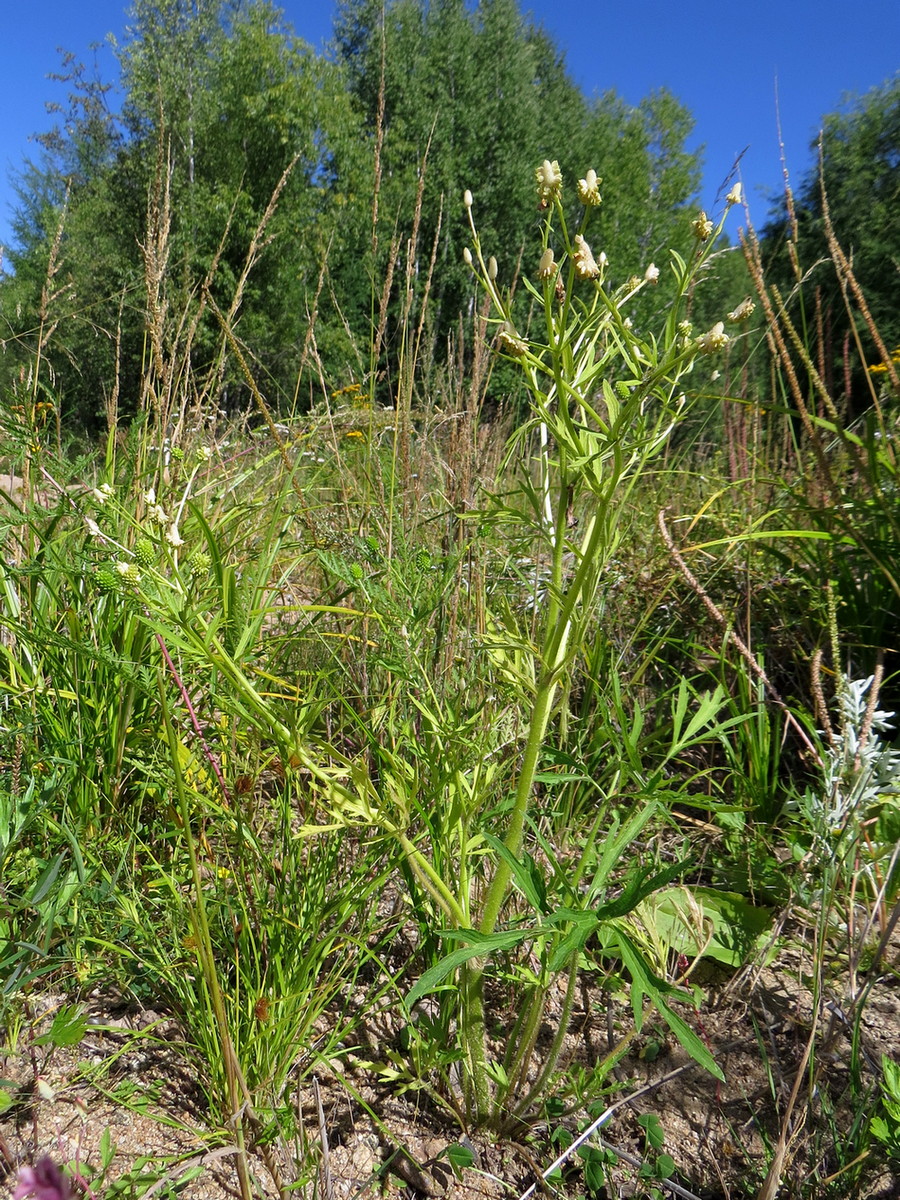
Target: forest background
x,y
469,96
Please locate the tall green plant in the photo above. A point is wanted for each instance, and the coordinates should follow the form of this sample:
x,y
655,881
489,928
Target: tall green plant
x,y
604,400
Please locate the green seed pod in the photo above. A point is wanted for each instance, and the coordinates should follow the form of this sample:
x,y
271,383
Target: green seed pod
x,y
107,581
144,552
199,562
128,573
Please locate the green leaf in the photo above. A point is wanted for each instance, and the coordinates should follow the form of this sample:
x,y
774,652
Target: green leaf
x,y
583,925
67,1029
44,882
688,1039
595,1161
645,983
525,874
107,1150
685,917
665,1166
653,1130
617,842
458,1156
641,884
549,778
483,944
891,1071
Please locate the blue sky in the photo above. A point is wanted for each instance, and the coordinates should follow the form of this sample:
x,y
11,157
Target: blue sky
x,y
724,62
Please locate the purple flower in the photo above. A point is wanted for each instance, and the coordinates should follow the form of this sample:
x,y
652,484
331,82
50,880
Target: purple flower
x,y
44,1181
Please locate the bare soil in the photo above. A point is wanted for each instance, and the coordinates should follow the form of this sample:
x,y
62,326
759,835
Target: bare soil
x,y
366,1140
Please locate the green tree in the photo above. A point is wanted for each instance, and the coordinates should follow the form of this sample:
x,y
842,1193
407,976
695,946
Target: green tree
x,y
68,222
859,175
220,99
486,95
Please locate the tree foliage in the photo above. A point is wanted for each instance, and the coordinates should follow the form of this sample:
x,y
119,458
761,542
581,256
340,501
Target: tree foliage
x,y
416,103
858,178
476,98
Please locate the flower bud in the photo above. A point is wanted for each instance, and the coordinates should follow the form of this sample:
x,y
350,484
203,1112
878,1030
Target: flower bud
x,y
144,552
702,227
45,1180
652,273
589,189
467,198
547,267
585,263
199,562
106,580
467,256
492,268
735,196
549,181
